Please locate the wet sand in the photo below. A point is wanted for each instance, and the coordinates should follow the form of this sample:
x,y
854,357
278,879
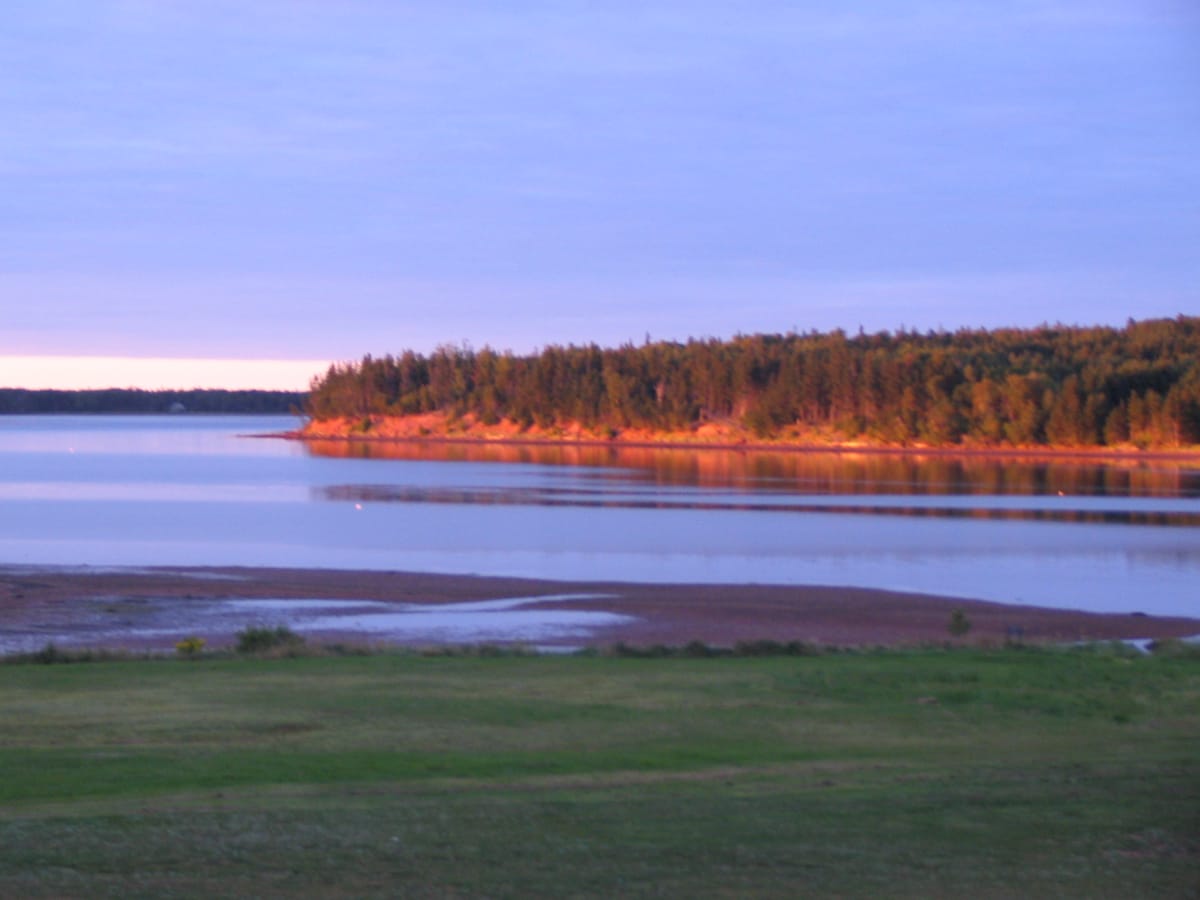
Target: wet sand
x,y
152,608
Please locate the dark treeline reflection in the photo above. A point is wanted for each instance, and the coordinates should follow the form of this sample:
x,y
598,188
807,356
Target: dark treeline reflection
x,y
542,496
809,472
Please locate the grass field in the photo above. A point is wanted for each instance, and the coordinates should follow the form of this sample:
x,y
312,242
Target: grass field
x,y
1008,773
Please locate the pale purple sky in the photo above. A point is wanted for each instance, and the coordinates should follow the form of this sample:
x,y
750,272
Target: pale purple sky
x,y
318,180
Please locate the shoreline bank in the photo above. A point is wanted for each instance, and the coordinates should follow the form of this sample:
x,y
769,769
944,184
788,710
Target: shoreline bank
x,y
434,430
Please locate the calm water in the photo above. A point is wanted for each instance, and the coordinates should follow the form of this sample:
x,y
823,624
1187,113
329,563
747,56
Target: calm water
x,y
189,491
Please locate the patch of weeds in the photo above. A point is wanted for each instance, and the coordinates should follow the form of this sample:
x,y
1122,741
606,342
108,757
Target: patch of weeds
x,y
632,651
776,648
758,648
1173,648
341,648
1118,649
477,650
52,654
264,639
698,649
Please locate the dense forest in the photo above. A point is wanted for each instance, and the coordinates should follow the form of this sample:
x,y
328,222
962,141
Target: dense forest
x,y
15,400
1053,385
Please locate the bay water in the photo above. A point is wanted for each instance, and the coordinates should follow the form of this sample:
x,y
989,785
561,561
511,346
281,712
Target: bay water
x,y
135,491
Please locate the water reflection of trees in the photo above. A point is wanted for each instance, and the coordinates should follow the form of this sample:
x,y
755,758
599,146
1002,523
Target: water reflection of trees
x,y
809,472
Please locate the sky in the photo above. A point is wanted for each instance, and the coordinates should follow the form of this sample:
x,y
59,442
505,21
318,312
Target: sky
x,y
299,181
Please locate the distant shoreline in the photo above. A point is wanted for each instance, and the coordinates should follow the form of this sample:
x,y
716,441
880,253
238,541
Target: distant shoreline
x,y
408,430
136,401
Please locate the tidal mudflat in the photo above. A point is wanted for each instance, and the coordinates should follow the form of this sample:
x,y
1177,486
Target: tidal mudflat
x,y
147,608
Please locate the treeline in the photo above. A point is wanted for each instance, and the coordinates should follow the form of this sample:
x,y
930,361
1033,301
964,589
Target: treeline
x,y
1061,386
16,400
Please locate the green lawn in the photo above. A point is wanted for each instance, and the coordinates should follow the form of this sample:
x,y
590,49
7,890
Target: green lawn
x,y
919,774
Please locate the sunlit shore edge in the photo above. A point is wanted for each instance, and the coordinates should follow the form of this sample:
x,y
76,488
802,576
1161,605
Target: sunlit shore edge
x,y
441,429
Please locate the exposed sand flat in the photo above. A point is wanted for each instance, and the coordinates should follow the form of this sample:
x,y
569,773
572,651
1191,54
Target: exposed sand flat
x,y
147,607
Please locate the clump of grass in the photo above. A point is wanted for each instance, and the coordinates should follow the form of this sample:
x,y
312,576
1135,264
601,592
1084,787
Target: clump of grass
x,y
697,649
1174,648
1118,649
51,654
342,648
776,648
653,651
477,650
259,639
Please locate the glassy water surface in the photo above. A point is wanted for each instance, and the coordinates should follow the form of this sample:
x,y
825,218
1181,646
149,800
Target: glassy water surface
x,y
188,490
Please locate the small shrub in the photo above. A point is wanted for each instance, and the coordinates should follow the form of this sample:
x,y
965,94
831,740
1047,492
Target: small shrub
x,y
260,639
959,625
49,655
190,646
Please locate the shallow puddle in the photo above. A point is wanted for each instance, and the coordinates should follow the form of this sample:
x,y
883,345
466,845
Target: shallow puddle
x,y
271,605
160,622
506,620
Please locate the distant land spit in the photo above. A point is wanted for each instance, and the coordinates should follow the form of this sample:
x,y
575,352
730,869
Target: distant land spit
x,y
1052,388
